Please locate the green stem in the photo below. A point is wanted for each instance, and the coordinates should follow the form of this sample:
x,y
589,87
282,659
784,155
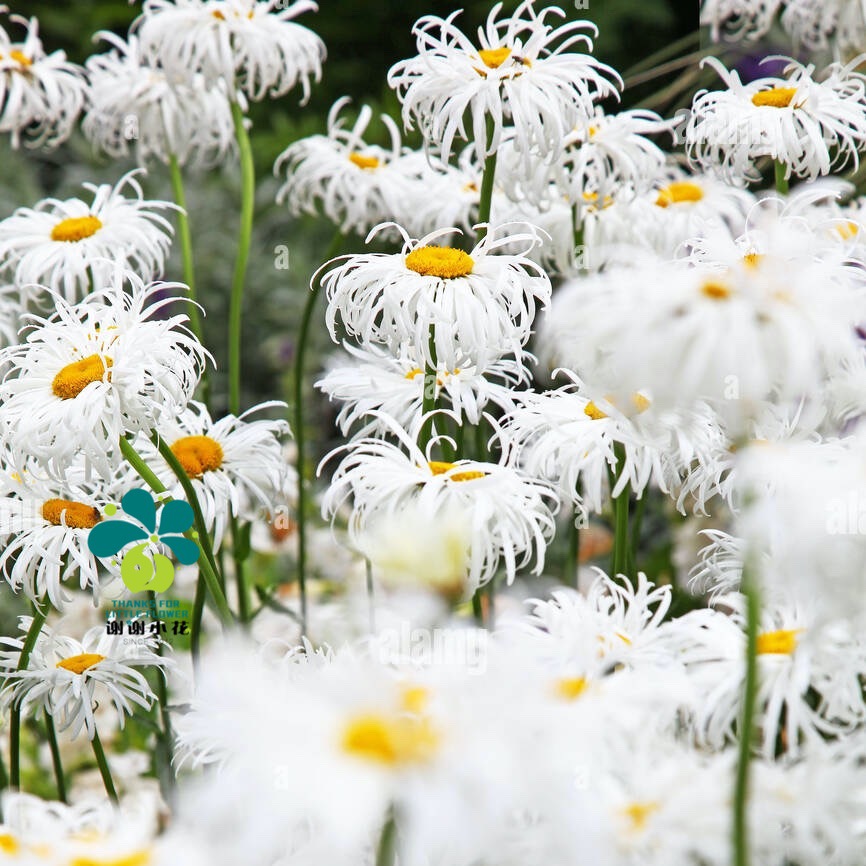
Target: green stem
x,y
104,769
166,752
248,193
370,594
747,722
486,195
55,758
208,563
386,852
4,784
240,574
185,237
477,608
620,508
781,180
197,613
300,431
39,616
207,569
570,577
637,520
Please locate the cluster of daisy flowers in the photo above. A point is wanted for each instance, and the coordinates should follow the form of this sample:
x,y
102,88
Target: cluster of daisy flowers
x,y
548,323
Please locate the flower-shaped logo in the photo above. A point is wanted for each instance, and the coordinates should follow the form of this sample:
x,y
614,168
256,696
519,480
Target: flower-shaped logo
x,y
142,570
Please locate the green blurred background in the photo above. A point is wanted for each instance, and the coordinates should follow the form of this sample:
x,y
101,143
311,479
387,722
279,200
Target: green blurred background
x,y
363,40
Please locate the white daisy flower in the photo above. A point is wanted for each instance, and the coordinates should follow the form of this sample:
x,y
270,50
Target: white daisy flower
x,y
45,524
236,465
808,675
254,47
65,678
510,514
569,440
378,384
133,105
74,247
810,126
90,373
41,95
680,206
754,331
353,183
739,19
820,24
611,155
479,306
523,71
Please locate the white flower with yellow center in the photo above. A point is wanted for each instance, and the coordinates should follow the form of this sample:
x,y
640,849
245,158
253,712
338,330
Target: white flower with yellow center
x,y
66,678
509,514
678,207
254,46
570,440
819,24
808,674
378,382
41,95
610,155
74,247
135,106
236,465
460,309
356,185
755,331
113,365
523,72
808,125
45,525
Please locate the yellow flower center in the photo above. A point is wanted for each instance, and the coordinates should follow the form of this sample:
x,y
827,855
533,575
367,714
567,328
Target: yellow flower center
x,y
782,642
75,377
137,858
715,290
366,162
415,371
775,97
444,262
198,454
440,467
848,230
639,813
678,192
20,58
752,260
80,663
570,688
493,58
77,514
414,699
592,411
9,844
76,228
218,15
390,740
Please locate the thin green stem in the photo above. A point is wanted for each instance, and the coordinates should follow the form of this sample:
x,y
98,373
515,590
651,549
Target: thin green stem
x,y
620,509
486,195
386,852
637,521
197,613
570,577
104,769
240,573
371,599
55,757
746,729
185,237
781,180
428,396
166,752
207,564
670,50
477,607
40,613
4,784
300,430
248,193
